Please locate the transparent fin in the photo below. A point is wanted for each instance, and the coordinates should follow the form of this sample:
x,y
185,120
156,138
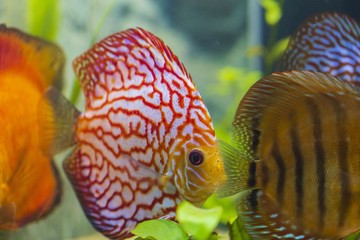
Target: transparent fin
x,y
236,168
57,117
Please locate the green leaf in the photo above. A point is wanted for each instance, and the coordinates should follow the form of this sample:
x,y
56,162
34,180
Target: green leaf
x,y
278,49
198,222
273,12
43,18
230,74
76,88
237,231
160,229
227,205
355,236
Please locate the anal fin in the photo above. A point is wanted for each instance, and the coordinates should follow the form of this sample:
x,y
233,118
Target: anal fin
x,y
261,218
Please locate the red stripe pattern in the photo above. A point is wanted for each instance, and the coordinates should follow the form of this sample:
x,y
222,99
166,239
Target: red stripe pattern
x,y
142,114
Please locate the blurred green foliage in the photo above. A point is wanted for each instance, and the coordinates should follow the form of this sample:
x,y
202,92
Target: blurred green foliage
x,y
198,222
274,47
232,84
227,205
75,89
43,18
273,11
194,223
355,236
150,230
237,230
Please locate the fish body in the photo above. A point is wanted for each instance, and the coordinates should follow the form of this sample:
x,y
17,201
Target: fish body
x,y
29,181
327,42
145,140
295,158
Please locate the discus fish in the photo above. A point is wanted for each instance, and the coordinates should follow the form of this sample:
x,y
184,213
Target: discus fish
x,y
29,182
328,42
296,157
145,140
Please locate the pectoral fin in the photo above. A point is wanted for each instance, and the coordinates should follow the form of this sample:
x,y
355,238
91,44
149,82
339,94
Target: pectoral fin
x,y
57,117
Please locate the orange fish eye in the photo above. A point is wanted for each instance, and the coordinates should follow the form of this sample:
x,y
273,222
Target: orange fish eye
x,y
196,157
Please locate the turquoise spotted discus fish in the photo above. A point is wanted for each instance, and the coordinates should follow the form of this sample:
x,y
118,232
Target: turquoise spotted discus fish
x,y
145,140
327,42
295,159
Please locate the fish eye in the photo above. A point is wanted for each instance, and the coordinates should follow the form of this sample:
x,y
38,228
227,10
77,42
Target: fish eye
x,y
196,157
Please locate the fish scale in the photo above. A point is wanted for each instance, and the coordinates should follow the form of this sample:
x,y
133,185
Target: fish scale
x,y
139,141
327,42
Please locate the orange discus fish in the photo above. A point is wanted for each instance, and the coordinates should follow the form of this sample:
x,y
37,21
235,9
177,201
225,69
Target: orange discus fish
x,y
29,181
145,141
297,165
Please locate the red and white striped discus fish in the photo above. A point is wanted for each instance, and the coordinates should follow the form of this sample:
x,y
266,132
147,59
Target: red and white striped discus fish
x,y
146,139
328,42
297,157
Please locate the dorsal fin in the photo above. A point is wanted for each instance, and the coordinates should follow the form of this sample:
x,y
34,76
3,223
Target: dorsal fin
x,y
327,42
40,59
110,62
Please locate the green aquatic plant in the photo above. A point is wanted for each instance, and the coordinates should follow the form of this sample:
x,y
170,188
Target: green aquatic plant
x,y
43,18
75,89
355,236
198,222
237,230
274,47
193,223
159,229
232,84
273,11
227,204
